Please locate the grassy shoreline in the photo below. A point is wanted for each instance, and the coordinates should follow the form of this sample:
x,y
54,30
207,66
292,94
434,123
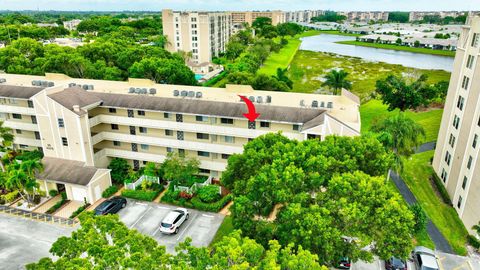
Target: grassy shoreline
x,y
336,32
398,48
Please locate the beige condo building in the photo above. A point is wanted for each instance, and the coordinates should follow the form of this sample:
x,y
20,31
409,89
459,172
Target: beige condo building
x,y
456,159
204,34
81,124
241,17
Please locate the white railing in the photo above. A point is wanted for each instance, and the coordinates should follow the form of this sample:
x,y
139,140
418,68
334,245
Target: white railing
x,y
140,180
197,186
17,109
21,125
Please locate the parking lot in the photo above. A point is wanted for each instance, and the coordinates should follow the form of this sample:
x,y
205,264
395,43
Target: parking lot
x,y
146,218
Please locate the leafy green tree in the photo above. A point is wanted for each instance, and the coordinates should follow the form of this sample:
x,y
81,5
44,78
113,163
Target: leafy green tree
x,y
119,170
234,49
260,22
329,16
401,94
179,169
336,79
283,77
150,169
7,138
289,29
167,71
21,177
420,217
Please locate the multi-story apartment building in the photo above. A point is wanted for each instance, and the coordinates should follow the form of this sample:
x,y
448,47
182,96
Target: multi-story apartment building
x,y
302,16
241,17
419,15
72,25
204,34
366,16
456,159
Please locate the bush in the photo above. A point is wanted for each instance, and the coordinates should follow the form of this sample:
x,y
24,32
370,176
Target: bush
x,y
441,189
211,207
420,217
109,191
473,241
185,195
30,155
37,199
170,196
143,195
10,197
64,195
79,210
53,192
209,194
57,206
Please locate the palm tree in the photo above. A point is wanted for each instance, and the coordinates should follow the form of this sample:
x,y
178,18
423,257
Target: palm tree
x,y
336,79
7,138
22,178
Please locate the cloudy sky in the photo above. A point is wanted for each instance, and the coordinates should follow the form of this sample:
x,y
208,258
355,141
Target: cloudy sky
x,y
341,5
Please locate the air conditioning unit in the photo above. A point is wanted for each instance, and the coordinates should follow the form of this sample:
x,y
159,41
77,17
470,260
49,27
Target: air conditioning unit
x,y
330,105
302,103
314,104
259,99
191,93
322,104
184,93
70,85
3,80
131,90
50,84
144,91
36,83
44,83
269,99
176,93
251,98
152,91
90,87
199,95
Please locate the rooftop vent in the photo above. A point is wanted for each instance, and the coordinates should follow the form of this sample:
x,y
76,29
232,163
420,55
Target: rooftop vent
x,y
322,104
269,99
3,80
329,105
44,83
252,98
144,91
314,104
259,99
85,87
70,85
152,91
302,103
184,93
50,84
131,90
36,83
191,93
176,93
199,95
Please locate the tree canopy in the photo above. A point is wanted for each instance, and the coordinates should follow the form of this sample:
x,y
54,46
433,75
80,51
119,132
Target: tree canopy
x,y
336,79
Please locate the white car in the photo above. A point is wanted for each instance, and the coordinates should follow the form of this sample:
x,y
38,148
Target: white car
x,y
174,219
425,259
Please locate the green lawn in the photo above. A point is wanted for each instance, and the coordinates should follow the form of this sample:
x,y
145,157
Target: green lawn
x,y
283,58
374,110
225,229
308,69
417,172
398,48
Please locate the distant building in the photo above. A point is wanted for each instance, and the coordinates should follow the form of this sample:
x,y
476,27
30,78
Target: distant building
x,y
241,17
66,42
302,16
47,24
419,15
457,160
204,34
432,43
71,25
367,16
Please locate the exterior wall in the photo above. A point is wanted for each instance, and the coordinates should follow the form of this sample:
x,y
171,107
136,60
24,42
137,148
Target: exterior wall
x,y
46,186
460,179
99,183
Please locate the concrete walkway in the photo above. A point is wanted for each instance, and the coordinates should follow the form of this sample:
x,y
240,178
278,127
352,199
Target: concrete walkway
x,y
67,210
48,204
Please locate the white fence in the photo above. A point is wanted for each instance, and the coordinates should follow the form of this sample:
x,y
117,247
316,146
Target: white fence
x,y
140,180
196,186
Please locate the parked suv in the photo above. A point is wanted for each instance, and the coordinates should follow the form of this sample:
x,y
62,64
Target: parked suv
x,y
425,259
111,206
174,219
395,264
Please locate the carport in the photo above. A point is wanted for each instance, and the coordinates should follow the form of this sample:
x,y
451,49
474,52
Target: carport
x,y
79,181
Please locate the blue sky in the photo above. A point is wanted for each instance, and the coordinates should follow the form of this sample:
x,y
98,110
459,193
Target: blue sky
x,y
343,5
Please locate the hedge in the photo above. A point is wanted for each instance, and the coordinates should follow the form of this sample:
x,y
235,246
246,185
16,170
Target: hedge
x,y
109,191
441,189
473,241
211,207
79,210
59,204
143,195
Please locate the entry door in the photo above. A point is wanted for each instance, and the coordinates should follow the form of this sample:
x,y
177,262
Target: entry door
x,y
98,193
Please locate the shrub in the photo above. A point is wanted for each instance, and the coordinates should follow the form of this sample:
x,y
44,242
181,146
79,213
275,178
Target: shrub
x,y
441,189
53,192
473,241
211,207
30,155
420,217
56,206
79,210
109,191
10,197
185,195
64,195
170,196
209,194
143,195
37,199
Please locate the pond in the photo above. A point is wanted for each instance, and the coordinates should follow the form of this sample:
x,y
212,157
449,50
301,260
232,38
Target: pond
x,y
326,43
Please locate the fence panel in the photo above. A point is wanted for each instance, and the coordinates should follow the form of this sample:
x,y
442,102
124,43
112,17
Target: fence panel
x,y
37,216
140,180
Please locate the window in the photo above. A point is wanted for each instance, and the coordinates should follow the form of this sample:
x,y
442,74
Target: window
x,y
459,203
166,115
201,118
225,156
264,124
18,131
144,162
181,152
475,38
202,136
23,146
444,175
448,157
37,135
204,170
475,139
470,60
465,82
227,121
229,139
179,118
60,122
451,141
469,163
114,126
169,150
34,119
142,129
142,113
144,146
116,143
296,127
460,102
130,113
456,121
30,103
203,154
168,132
112,110
16,116
64,141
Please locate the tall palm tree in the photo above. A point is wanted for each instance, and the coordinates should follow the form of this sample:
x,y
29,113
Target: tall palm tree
x,y
7,138
18,179
336,79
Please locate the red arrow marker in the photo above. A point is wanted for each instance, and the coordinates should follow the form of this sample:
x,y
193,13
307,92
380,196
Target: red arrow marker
x,y
252,114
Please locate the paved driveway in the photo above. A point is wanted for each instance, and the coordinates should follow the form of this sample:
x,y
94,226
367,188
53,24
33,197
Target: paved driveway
x,y
24,241
146,218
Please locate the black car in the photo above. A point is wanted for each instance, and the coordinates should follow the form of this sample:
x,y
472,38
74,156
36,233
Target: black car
x,y
111,206
344,263
395,264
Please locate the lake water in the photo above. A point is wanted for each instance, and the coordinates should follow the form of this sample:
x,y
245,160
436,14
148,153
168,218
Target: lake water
x,y
326,43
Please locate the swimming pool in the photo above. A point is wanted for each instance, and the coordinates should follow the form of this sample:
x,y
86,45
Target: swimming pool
x,y
199,76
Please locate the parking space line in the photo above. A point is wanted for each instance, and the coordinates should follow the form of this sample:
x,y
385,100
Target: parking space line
x,y
209,216
144,213
162,207
185,229
139,203
155,232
